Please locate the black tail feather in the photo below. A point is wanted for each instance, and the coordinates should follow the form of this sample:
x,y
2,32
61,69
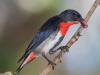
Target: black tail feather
x,y
18,70
20,59
25,55
20,67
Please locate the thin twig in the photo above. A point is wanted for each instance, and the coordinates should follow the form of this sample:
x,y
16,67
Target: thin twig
x,y
75,37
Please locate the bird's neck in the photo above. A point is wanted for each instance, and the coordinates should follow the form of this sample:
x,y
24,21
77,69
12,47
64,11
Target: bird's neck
x,y
64,26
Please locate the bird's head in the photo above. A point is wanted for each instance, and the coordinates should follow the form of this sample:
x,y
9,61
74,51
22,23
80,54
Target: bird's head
x,y
72,15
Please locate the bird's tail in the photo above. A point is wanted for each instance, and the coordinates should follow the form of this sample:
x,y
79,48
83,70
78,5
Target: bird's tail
x,y
27,59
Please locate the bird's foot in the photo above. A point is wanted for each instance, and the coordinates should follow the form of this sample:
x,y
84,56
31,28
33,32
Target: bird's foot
x,y
65,47
52,63
62,47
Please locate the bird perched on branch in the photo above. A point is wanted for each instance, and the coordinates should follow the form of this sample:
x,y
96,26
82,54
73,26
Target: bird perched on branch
x,y
50,36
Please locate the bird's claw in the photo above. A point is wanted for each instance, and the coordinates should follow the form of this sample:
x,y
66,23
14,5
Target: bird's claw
x,y
52,63
65,47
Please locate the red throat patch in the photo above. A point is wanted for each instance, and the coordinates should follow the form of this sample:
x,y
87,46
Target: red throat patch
x,y
64,26
30,57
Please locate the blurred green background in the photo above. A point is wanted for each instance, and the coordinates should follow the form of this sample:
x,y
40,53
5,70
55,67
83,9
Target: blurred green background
x,y
19,23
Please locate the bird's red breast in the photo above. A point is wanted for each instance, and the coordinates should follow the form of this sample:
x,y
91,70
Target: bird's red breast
x,y
64,26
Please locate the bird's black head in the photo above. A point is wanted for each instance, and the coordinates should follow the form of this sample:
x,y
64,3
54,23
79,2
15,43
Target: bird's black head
x,y
72,15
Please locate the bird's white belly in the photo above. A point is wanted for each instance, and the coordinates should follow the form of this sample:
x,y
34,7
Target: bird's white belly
x,y
46,45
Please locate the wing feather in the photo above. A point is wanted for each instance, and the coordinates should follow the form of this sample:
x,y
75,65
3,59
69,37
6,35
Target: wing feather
x,y
44,32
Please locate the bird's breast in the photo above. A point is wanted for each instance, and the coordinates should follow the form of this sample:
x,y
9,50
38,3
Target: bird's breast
x,y
49,43
64,26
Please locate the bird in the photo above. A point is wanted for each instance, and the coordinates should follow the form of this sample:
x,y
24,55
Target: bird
x,y
50,35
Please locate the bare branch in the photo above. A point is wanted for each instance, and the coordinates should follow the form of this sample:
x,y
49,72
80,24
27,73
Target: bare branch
x,y
75,37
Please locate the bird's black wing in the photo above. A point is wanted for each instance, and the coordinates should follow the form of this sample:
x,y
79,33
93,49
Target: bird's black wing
x,y
44,32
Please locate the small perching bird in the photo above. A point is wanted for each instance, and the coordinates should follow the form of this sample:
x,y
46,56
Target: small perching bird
x,y
50,36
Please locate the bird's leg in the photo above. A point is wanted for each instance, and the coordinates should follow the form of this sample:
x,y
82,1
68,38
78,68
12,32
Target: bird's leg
x,y
60,48
50,62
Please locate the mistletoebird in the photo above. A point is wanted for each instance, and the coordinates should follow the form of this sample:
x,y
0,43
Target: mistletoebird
x,y
50,36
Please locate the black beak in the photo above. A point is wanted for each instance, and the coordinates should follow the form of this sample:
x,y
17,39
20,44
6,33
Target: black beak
x,y
83,22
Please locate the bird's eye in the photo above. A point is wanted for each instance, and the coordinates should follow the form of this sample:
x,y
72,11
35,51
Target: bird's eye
x,y
73,14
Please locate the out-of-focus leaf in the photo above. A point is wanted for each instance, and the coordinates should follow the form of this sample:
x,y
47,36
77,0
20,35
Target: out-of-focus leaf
x,y
99,2
60,61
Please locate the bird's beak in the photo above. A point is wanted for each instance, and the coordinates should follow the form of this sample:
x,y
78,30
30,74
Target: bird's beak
x,y
83,22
